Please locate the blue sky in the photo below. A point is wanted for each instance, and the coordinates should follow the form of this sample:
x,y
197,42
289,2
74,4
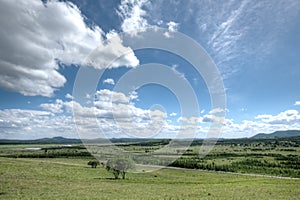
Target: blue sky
x,y
255,46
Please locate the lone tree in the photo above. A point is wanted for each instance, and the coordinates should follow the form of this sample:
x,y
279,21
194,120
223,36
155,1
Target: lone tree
x,y
119,166
93,163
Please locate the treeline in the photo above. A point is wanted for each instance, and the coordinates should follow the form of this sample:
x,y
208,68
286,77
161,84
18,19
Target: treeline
x,y
252,142
144,142
289,167
64,151
52,154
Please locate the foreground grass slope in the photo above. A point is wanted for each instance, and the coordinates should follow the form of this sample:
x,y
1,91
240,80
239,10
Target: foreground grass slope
x,y
25,178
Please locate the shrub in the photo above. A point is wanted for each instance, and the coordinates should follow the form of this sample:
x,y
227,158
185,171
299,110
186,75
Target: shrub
x,y
93,163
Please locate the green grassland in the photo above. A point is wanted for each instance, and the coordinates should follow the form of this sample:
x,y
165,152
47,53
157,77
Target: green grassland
x,y
276,157
62,178
58,171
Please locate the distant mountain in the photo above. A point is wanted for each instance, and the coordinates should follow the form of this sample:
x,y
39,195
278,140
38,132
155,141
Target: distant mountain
x,y
139,141
59,140
54,140
277,134
62,140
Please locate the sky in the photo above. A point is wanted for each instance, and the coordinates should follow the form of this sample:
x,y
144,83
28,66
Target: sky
x,y
144,68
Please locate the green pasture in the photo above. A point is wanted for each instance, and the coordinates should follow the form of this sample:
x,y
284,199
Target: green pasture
x,y
24,178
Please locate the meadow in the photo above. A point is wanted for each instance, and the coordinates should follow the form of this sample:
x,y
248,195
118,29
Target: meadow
x,y
60,178
56,171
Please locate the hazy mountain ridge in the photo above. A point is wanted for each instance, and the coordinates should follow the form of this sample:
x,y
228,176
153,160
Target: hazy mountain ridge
x,y
63,140
54,140
277,134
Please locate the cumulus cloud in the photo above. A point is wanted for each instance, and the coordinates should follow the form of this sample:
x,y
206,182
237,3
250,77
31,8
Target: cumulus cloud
x,y
109,81
115,113
133,15
111,96
216,115
36,36
116,110
25,124
288,117
53,107
264,123
112,54
121,118
210,124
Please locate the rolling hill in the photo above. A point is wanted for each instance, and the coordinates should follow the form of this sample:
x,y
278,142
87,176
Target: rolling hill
x,y
277,134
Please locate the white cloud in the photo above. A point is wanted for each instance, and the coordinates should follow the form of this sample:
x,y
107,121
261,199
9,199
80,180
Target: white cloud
x,y
25,124
173,26
173,114
36,36
216,115
109,81
134,95
123,119
112,54
190,120
111,96
68,96
133,15
287,117
117,110
218,111
264,123
53,107
115,114
297,103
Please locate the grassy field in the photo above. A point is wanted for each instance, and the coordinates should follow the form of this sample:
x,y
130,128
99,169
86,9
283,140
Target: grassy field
x,y
62,178
57,171
276,157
